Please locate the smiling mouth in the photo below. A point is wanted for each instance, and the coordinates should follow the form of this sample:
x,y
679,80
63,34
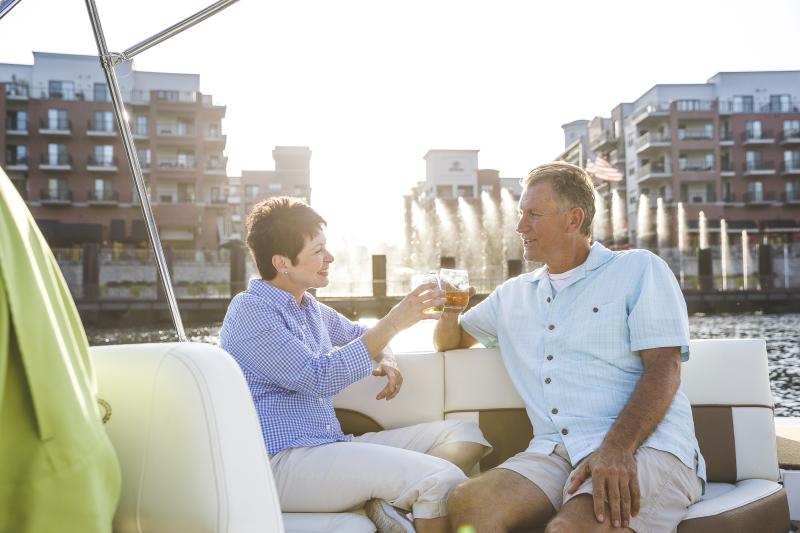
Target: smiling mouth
x,y
526,242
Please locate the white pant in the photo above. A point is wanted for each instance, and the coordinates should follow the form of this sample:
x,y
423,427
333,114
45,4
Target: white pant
x,y
390,465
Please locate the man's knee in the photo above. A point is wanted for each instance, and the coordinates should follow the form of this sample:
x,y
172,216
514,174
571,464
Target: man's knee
x,y
562,524
466,496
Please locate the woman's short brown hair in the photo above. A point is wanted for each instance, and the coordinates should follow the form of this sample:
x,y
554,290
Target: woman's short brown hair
x,y
280,226
572,188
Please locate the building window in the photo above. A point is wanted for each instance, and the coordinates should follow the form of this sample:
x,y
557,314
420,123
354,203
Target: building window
x,y
141,125
186,193
57,154
144,157
753,129
169,96
688,105
57,188
61,90
274,187
104,155
185,159
791,160
103,121
791,128
781,103
792,191
755,190
101,93
444,191
753,160
743,104
251,191
16,154
17,120
466,191
57,119
487,188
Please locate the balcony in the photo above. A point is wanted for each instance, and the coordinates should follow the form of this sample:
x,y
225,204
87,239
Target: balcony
x,y
102,164
790,167
218,201
652,140
695,136
103,197
100,129
726,138
697,166
186,198
17,164
758,168
791,197
790,137
759,197
214,169
215,137
646,112
709,197
762,137
139,133
61,196
17,91
16,126
605,140
60,162
726,107
188,163
55,127
729,198
186,97
654,171
791,106
727,168
175,130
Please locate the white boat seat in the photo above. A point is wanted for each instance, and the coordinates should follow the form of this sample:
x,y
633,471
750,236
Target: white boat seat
x,y
327,523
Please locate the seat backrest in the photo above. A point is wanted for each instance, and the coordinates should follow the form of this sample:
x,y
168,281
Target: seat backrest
x,y
727,383
188,440
421,397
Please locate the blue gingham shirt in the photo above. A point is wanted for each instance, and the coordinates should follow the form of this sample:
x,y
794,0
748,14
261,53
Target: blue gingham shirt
x,y
295,360
573,357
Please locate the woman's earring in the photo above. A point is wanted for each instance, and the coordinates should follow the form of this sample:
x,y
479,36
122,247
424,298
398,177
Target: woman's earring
x,y
285,272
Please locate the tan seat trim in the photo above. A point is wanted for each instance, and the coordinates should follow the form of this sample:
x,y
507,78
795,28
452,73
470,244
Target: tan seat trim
x,y
509,431
713,426
767,515
356,423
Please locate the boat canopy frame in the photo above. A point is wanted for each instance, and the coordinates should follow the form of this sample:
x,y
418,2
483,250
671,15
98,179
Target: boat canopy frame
x,y
108,61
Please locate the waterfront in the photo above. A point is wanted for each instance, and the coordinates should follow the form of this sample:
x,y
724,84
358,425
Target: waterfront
x,y
782,333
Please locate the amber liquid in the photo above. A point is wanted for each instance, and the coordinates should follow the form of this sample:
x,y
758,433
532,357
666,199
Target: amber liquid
x,y
456,299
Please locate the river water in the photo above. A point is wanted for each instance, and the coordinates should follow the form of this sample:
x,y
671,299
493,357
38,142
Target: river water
x,y
782,333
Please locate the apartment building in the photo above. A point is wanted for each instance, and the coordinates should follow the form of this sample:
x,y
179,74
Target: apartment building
x,y
729,147
63,152
291,177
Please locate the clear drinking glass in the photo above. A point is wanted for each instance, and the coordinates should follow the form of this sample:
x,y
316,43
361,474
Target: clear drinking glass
x,y
456,287
423,279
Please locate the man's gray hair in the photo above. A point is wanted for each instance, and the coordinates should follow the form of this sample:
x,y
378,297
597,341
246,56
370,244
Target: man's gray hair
x,y
571,185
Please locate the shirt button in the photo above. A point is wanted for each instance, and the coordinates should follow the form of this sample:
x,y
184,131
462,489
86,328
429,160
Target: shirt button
x,y
548,299
549,357
328,427
564,431
554,410
551,327
594,310
547,380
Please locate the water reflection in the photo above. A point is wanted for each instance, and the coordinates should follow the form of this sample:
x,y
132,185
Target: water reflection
x,y
781,331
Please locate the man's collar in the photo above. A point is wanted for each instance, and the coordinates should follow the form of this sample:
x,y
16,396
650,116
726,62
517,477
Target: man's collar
x,y
598,256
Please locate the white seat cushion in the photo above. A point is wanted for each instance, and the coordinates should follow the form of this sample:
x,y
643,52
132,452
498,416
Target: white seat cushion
x,y
723,497
327,522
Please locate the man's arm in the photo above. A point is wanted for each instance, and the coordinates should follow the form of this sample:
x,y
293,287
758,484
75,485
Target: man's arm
x,y
613,467
449,335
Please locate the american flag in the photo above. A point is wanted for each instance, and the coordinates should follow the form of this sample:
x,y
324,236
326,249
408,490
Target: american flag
x,y
603,170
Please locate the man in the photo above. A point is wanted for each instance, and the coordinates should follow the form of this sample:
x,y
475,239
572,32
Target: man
x,y
593,342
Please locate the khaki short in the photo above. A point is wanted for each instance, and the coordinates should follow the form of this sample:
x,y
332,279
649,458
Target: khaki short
x,y
667,486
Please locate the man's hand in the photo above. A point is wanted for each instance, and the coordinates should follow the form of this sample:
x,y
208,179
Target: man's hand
x,y
394,381
614,479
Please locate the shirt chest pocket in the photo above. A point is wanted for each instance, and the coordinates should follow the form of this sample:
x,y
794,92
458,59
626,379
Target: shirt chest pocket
x,y
603,326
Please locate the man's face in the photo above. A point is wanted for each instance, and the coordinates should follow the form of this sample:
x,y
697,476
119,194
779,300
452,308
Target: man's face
x,y
542,224
313,262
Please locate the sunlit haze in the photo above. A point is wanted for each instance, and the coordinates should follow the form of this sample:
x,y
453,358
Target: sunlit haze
x,y
371,86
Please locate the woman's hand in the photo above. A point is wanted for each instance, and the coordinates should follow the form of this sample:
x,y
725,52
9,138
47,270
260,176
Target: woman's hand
x,y
416,306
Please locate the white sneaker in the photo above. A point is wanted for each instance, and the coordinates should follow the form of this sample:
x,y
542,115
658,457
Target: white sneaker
x,y
386,518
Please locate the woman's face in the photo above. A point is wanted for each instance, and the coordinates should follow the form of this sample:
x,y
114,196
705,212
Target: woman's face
x,y
313,262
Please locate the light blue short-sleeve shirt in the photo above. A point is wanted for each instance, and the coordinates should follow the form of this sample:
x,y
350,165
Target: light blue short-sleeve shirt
x,y
573,357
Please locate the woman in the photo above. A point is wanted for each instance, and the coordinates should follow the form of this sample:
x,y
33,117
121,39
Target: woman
x,y
297,354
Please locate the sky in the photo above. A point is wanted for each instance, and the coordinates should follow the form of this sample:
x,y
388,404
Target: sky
x,y
370,86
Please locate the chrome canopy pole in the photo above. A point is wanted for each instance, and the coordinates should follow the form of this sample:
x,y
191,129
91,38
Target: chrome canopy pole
x,y
136,171
172,31
6,6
